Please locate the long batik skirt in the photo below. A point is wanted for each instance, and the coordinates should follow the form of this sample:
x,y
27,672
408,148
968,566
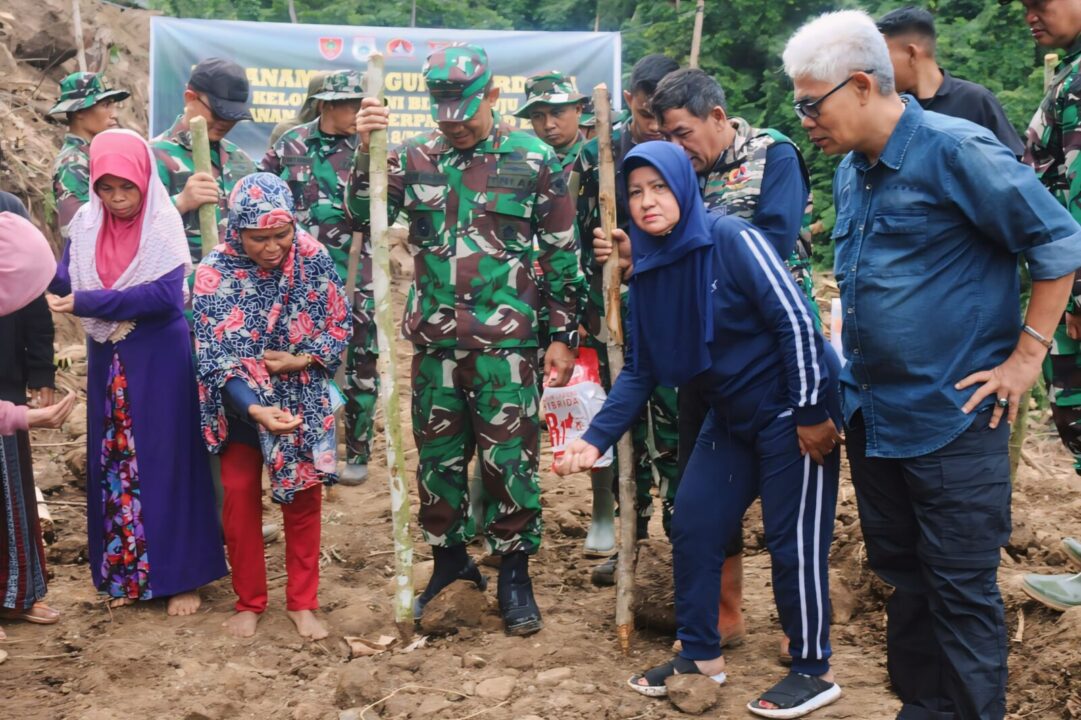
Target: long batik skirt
x,y
22,554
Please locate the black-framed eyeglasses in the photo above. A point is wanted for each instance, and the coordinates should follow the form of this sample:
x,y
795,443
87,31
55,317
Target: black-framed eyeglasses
x,y
810,108
213,115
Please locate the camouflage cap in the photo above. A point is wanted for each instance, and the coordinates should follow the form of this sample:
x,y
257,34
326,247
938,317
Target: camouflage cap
x,y
457,76
550,88
341,85
82,90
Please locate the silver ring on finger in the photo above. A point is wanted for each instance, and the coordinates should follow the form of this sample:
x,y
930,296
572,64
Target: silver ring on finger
x,y
1003,402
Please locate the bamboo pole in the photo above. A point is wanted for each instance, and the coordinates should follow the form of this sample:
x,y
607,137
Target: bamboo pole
x,y
1050,62
200,155
77,24
696,38
624,449
388,365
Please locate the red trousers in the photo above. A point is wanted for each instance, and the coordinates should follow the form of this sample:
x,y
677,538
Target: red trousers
x,y
242,518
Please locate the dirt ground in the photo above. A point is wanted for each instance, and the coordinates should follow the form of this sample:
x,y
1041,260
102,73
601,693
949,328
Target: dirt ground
x,y
137,662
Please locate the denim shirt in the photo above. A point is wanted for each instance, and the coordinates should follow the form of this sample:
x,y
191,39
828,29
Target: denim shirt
x,y
927,240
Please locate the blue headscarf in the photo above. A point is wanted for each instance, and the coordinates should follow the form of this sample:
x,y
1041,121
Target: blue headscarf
x,y
670,301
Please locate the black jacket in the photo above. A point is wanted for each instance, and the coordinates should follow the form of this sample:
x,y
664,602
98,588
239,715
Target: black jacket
x,y
26,351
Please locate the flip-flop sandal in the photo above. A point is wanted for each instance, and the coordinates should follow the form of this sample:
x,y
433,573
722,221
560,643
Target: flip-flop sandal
x,y
795,696
38,615
655,678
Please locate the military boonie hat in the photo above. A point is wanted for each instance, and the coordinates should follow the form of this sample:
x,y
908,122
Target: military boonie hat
x,y
225,85
82,90
341,85
457,76
550,88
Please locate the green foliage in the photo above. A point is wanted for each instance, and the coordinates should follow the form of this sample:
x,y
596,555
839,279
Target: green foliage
x,y
742,42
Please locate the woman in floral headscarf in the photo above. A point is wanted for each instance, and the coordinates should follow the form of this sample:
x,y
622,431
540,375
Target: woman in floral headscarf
x,y
271,324
152,528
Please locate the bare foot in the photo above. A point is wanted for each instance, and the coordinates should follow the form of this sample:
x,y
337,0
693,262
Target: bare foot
x,y
184,604
115,603
242,624
307,624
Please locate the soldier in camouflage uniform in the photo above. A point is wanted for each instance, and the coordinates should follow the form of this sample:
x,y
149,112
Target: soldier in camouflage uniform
x,y
1053,149
308,111
654,436
90,108
217,91
315,160
476,193
555,109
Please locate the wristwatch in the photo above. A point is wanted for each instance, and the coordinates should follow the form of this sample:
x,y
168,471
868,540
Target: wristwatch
x,y
569,338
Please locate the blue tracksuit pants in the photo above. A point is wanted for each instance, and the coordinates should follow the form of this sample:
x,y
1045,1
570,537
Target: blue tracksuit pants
x,y
733,463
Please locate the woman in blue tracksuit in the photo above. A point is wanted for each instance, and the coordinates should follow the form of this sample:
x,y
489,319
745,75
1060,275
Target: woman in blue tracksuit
x,y
714,311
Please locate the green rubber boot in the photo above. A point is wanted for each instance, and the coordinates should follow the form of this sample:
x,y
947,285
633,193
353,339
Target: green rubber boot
x,y
1072,546
1058,592
601,538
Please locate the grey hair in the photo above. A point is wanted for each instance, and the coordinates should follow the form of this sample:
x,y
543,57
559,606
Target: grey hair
x,y
834,45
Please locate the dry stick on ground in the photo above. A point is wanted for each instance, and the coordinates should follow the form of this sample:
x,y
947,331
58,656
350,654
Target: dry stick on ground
x,y
200,156
624,449
388,365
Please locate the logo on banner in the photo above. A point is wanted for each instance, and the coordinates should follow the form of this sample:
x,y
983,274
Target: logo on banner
x,y
331,47
399,47
363,46
437,45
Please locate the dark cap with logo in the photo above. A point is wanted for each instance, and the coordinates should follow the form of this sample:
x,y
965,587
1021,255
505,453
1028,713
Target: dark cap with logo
x,y
225,85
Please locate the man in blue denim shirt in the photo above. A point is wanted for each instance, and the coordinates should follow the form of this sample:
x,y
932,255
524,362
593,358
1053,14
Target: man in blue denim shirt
x,y
932,213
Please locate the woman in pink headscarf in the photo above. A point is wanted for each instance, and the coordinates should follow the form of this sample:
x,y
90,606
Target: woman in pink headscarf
x,y
152,526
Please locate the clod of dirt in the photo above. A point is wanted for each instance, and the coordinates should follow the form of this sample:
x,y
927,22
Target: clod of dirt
x,y
431,707
460,605
1070,625
499,688
654,596
3,656
843,602
312,711
693,694
357,684
75,460
554,676
568,524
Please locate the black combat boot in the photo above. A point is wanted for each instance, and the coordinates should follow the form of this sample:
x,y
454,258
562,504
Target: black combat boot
x,y
451,563
521,616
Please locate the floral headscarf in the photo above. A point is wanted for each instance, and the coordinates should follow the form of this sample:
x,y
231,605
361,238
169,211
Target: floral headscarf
x,y
242,310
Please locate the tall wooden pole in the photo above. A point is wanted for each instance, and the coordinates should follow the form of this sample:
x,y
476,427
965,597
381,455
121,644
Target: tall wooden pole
x,y
77,24
624,449
200,156
696,38
388,365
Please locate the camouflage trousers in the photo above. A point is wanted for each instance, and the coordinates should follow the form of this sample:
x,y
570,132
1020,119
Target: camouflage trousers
x,y
361,385
486,401
1062,371
655,438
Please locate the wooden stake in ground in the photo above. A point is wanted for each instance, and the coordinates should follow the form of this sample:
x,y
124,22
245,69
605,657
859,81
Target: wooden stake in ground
x,y
200,156
77,25
624,449
696,38
388,365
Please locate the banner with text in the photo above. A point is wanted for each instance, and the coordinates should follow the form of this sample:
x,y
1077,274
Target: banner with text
x,y
280,58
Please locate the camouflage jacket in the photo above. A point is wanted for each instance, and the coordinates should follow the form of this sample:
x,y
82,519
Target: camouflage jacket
x,y
586,177
71,180
472,217
568,156
735,182
172,151
1053,141
316,166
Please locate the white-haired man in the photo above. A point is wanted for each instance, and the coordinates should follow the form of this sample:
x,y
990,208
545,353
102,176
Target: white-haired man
x,y
931,214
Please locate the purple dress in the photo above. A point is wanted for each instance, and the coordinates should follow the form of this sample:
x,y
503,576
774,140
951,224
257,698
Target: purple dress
x,y
152,524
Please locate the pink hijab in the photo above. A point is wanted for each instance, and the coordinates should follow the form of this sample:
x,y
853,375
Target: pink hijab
x,y
26,262
124,156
